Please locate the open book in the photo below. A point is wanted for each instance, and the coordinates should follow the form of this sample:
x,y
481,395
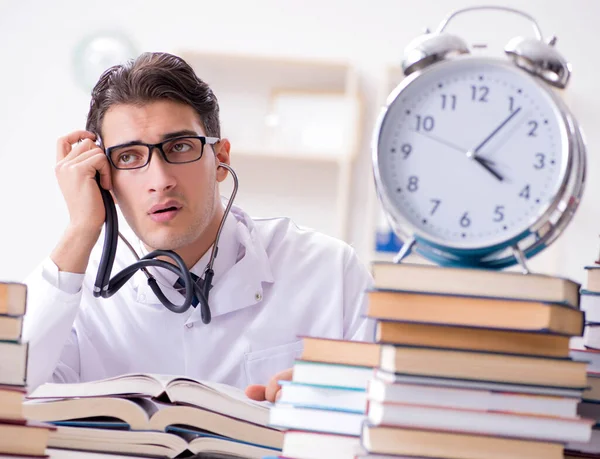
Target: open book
x,y
160,444
147,402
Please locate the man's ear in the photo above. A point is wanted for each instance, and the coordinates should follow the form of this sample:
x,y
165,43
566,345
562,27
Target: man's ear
x,y
222,149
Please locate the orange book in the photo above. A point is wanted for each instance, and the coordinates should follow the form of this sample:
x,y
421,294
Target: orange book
x,y
506,314
470,338
341,351
475,282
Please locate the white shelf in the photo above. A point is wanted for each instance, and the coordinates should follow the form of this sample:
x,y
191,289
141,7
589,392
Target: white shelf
x,y
294,128
310,157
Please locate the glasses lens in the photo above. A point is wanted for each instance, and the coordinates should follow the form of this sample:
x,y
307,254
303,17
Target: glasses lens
x,y
183,149
129,157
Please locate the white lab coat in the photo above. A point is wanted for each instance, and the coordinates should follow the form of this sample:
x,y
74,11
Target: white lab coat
x,y
274,283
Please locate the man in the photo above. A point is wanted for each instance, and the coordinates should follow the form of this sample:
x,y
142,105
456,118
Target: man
x,y
274,282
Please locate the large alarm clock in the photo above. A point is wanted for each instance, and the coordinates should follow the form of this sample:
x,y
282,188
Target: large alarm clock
x,y
477,161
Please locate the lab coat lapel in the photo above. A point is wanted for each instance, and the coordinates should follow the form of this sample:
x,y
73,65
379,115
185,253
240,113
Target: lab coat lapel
x,y
238,287
242,285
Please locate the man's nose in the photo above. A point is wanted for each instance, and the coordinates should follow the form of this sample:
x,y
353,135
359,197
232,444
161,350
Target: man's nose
x,y
160,173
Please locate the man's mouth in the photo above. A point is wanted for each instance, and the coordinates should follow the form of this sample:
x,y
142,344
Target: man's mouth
x,y
164,212
167,209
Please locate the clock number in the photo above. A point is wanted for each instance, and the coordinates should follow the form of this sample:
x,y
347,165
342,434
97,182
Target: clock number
x,y
511,104
499,214
450,100
406,149
534,127
465,221
426,123
525,193
413,183
436,204
541,161
479,93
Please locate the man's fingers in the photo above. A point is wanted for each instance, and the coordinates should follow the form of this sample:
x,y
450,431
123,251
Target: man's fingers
x,y
105,178
82,147
273,387
65,144
256,392
95,160
84,156
272,390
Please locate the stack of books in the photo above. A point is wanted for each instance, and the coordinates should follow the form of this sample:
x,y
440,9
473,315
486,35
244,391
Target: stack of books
x,y
465,364
18,435
474,364
323,408
587,349
154,415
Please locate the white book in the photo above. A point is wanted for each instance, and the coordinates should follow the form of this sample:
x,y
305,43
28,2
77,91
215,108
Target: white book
x,y
480,422
324,397
335,422
473,399
590,304
473,384
312,445
332,374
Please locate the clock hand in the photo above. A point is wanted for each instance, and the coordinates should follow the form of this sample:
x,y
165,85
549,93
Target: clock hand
x,y
443,141
495,131
485,163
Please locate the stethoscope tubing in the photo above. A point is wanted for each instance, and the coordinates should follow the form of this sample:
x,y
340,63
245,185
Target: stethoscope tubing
x,y
105,287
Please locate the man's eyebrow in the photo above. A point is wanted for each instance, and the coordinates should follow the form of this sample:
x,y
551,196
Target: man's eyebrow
x,y
170,135
184,132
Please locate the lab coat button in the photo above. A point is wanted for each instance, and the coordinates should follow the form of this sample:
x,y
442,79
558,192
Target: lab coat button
x,y
189,325
258,296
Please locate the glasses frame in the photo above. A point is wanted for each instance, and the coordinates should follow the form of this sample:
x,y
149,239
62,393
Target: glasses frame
x,y
151,146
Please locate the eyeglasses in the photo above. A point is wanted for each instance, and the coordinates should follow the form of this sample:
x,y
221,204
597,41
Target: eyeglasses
x,y
179,150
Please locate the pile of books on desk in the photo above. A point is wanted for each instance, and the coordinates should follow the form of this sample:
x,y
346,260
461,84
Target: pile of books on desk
x,y
587,349
18,436
154,415
466,364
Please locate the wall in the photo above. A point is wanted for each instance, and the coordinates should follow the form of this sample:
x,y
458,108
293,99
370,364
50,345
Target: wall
x,y
41,100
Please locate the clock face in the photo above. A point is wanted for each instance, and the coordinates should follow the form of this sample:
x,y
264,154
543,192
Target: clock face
x,y
471,153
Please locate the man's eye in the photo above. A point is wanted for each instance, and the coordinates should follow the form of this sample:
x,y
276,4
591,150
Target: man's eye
x,y
127,158
180,147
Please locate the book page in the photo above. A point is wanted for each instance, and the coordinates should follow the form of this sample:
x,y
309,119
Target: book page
x,y
125,385
219,398
223,390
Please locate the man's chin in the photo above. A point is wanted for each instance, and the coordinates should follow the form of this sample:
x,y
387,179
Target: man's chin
x,y
168,241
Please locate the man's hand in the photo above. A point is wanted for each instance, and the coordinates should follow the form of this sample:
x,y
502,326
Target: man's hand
x,y
78,159
271,391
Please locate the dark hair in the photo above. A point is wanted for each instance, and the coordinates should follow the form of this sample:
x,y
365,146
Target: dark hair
x,y
151,77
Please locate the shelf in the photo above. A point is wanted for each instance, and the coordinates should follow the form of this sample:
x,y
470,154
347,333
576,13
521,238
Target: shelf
x,y
294,128
311,157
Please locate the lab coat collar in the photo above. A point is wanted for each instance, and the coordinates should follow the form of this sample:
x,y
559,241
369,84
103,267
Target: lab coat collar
x,y
241,268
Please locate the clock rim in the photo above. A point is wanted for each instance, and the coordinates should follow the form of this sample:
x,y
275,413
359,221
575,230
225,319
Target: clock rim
x,y
467,251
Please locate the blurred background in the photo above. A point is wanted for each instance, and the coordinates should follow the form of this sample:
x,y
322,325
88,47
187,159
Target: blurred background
x,y
300,86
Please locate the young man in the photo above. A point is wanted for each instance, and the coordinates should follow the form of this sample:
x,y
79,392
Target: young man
x,y
153,135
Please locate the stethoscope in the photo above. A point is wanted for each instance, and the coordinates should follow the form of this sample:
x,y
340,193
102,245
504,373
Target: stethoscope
x,y
106,287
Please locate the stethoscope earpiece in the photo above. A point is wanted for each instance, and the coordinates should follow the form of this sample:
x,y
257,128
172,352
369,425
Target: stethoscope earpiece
x,y
105,286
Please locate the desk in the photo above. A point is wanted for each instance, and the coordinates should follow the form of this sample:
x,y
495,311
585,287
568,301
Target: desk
x,y
68,454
